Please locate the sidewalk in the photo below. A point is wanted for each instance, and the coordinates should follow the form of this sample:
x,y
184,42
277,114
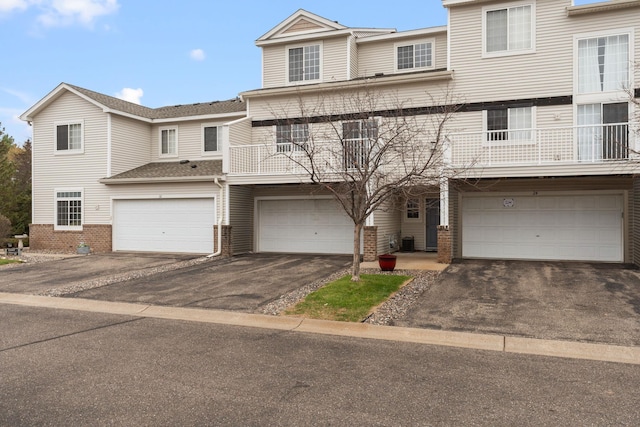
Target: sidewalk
x,y
412,261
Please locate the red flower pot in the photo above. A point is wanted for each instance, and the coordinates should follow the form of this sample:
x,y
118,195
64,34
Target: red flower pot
x,y
387,262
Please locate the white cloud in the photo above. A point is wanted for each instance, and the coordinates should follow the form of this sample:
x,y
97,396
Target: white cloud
x,y
59,13
197,54
23,97
11,5
131,95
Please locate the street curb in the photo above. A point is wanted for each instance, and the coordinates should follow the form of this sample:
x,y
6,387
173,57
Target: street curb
x,y
507,344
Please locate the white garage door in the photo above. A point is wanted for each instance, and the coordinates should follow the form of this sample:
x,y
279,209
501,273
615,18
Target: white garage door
x,y
304,226
554,227
164,225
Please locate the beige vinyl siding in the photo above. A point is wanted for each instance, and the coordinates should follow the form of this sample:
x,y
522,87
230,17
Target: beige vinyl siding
x,y
334,62
547,72
388,222
51,170
334,59
130,144
414,228
241,218
353,69
379,57
274,66
166,191
240,133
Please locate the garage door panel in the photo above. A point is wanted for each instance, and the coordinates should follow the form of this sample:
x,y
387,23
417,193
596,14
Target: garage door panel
x,y
304,226
585,227
164,225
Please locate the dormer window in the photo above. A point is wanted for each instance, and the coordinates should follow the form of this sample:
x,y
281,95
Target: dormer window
x,y
304,63
414,56
509,30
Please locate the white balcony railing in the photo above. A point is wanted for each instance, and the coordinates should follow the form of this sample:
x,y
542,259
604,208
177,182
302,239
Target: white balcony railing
x,y
524,147
548,146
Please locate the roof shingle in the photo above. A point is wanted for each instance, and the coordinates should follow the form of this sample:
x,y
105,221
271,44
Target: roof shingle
x,y
181,169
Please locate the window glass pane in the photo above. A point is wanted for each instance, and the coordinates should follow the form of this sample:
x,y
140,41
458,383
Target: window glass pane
x,y
405,57
497,30
75,137
62,137
497,120
211,138
62,212
520,118
423,55
296,71
312,62
603,64
413,209
520,28
168,143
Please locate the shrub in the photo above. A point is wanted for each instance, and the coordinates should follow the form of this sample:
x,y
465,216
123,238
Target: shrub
x,y
5,227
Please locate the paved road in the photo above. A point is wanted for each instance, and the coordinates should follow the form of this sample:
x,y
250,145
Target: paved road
x,y
76,368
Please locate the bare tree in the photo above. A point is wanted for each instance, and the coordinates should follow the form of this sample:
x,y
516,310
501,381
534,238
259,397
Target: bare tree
x,y
365,147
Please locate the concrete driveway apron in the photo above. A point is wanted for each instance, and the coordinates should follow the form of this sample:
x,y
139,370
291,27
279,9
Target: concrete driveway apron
x,y
548,300
242,283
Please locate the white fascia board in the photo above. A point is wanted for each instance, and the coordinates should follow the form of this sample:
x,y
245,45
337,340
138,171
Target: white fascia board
x,y
448,3
389,79
601,7
295,38
118,181
53,95
203,117
301,13
403,34
234,122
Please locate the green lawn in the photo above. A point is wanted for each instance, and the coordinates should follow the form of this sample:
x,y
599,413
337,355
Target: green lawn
x,y
348,301
8,261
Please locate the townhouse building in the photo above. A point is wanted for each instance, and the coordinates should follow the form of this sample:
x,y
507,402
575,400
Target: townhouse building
x,y
539,154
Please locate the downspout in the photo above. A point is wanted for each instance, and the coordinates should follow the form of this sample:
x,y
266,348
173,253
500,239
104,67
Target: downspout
x,y
219,251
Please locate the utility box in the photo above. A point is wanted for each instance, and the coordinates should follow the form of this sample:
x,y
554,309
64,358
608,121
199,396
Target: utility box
x,y
407,244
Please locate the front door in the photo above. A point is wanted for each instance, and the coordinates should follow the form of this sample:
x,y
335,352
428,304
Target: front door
x,y
433,220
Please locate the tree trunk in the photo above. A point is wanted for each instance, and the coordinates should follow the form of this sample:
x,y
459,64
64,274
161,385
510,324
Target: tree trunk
x,y
355,269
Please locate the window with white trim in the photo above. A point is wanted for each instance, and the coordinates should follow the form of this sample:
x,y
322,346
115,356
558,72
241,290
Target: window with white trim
x,y
603,131
68,209
168,142
414,56
413,209
509,124
291,137
69,137
603,64
304,63
211,139
358,137
509,30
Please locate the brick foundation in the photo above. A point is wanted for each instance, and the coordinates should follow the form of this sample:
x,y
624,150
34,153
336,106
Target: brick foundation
x,y
370,249
227,247
444,244
44,237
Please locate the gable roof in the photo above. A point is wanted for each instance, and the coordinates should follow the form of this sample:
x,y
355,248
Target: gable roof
x,y
199,170
303,24
110,104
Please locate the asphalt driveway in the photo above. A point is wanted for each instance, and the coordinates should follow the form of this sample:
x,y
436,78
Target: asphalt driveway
x,y
242,283
39,277
547,300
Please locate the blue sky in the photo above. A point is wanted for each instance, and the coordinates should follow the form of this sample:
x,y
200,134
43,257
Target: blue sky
x,y
160,53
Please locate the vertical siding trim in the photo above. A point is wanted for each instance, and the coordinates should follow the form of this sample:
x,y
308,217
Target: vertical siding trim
x,y
348,71
108,144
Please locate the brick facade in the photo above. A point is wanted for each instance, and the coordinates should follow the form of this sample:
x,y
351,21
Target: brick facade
x,y
227,247
444,244
370,243
43,236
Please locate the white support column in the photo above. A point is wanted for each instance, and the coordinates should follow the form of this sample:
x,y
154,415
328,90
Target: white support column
x,y
444,202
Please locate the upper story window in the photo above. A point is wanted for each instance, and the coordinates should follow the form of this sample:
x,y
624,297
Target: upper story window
x,y
509,29
168,142
412,56
603,64
509,124
291,137
69,137
211,139
304,63
68,209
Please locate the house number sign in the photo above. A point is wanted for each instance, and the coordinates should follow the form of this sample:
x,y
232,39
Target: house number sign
x,y
508,202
